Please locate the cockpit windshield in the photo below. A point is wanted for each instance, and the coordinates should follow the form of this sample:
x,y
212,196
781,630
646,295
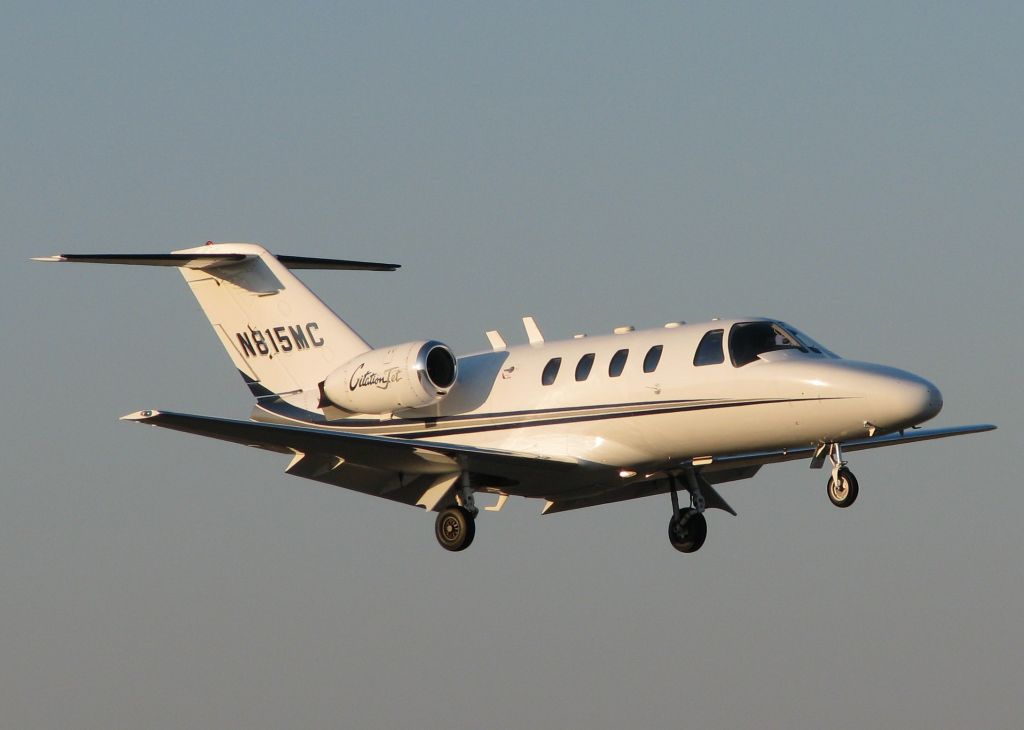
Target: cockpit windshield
x,y
748,340
807,342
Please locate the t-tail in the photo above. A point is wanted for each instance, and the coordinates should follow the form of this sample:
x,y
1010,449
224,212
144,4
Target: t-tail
x,y
279,335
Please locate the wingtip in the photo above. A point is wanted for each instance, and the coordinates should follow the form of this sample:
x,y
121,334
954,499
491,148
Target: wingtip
x,y
140,415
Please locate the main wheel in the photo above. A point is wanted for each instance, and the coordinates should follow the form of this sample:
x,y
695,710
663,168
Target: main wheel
x,y
843,492
688,532
455,529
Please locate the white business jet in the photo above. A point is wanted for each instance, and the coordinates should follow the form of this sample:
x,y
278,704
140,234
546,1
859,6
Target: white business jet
x,y
580,422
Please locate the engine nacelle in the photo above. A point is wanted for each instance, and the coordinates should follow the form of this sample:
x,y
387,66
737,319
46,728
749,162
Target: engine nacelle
x,y
411,375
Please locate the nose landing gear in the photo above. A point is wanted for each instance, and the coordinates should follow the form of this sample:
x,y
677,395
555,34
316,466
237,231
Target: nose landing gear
x,y
842,486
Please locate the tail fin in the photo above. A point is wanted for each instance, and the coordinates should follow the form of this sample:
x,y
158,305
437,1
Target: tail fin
x,y
279,335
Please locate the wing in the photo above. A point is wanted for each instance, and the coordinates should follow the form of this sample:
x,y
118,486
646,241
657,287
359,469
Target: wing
x,y
732,467
422,473
759,458
405,470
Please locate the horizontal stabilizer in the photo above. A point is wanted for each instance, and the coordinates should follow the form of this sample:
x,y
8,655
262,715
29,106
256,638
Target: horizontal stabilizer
x,y
213,260
307,262
186,260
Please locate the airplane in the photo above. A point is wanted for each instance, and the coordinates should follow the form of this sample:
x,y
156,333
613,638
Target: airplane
x,y
580,422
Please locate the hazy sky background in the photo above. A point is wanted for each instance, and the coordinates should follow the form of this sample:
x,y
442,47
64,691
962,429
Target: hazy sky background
x,y
854,169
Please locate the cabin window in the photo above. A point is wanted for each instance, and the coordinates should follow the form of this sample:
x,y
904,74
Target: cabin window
x,y
709,351
551,371
652,358
618,363
583,367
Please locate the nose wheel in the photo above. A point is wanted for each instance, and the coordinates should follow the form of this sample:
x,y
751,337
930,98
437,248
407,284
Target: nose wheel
x,y
842,488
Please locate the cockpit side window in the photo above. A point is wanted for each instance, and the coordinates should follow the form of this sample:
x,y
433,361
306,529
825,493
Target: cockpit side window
x,y
749,339
709,351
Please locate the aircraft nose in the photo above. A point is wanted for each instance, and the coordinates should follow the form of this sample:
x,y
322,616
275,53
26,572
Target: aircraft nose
x,y
934,402
864,394
907,400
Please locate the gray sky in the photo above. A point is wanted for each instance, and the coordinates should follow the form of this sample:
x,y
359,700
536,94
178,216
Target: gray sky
x,y
856,171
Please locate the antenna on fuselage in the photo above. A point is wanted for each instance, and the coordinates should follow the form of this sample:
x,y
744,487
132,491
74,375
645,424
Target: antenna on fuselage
x,y
496,340
533,331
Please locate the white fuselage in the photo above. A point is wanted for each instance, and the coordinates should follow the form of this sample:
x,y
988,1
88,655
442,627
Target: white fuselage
x,y
781,398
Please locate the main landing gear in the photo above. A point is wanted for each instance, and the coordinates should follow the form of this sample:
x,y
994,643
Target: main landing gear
x,y
455,527
842,485
687,529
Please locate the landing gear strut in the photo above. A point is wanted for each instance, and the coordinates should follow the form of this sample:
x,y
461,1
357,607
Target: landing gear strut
x,y
455,527
842,485
687,529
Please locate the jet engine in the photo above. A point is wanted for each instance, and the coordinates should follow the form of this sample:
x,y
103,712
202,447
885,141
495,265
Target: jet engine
x,y
411,375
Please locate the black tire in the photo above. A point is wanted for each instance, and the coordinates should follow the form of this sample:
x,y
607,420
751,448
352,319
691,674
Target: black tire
x,y
844,492
455,529
689,532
